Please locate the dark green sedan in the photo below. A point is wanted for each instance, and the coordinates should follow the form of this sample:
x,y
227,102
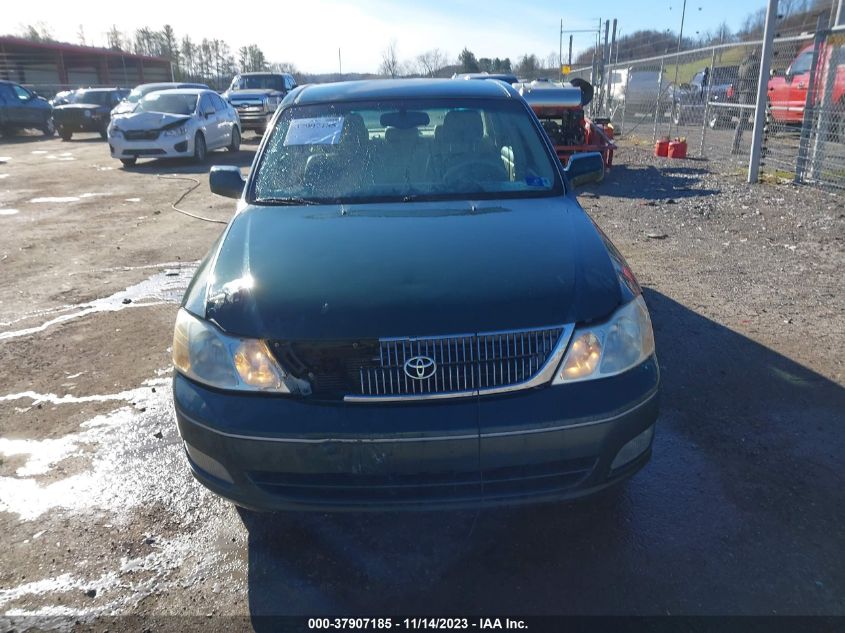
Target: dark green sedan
x,y
410,309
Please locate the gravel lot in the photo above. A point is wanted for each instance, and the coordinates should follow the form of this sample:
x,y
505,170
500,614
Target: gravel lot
x,y
741,510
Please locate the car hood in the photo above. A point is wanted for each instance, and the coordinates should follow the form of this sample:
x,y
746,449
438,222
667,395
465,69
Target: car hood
x,y
252,92
124,107
150,120
419,269
79,106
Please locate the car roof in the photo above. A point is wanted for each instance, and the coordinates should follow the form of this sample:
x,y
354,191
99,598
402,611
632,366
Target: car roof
x,y
101,90
265,73
185,91
375,89
170,83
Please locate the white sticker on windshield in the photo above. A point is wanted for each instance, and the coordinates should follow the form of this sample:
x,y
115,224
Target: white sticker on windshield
x,y
316,131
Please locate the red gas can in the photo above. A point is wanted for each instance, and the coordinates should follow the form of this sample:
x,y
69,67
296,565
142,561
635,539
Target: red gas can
x,y
678,149
661,148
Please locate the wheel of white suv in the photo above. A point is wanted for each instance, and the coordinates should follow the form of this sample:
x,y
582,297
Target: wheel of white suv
x,y
200,149
235,143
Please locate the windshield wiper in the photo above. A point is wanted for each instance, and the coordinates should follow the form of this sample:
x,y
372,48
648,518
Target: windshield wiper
x,y
288,201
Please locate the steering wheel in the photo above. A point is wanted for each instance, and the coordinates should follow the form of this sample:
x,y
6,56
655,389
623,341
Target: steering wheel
x,y
476,170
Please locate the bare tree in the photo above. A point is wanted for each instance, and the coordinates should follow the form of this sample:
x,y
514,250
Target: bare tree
x,y
430,62
38,32
551,59
115,38
80,35
390,61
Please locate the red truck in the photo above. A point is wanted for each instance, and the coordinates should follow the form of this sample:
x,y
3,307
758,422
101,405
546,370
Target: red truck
x,y
788,93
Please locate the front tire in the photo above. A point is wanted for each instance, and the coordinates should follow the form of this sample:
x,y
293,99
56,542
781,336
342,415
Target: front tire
x,y
260,131
200,149
235,143
65,134
128,162
49,128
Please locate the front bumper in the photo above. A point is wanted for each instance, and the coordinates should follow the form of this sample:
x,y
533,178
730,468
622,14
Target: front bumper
x,y
546,444
78,124
254,118
162,147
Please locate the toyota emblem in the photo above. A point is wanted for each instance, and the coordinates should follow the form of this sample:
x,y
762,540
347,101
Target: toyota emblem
x,y
420,367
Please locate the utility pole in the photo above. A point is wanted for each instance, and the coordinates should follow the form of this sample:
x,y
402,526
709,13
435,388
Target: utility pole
x,y
762,89
560,51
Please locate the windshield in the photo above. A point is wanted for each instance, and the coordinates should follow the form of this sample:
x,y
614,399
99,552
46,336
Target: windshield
x,y
92,96
169,103
260,82
725,75
405,150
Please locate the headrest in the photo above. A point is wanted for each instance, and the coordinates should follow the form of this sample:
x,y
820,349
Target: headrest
x,y
398,135
354,130
321,169
462,126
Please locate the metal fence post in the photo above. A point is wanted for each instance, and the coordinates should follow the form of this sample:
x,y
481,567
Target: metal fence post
x,y
625,97
657,103
762,92
707,104
809,104
826,105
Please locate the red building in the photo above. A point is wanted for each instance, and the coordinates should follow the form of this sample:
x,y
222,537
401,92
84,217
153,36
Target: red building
x,y
49,67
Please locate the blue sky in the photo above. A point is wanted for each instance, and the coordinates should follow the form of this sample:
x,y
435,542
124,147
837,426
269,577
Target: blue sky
x,y
308,33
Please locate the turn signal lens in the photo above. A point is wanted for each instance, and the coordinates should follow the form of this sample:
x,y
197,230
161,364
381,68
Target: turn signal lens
x,y
583,357
255,365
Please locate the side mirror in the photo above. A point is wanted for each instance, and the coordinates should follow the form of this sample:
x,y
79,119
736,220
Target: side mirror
x,y
773,72
584,168
226,181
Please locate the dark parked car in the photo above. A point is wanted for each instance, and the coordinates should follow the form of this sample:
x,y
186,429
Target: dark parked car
x,y
89,110
689,100
21,108
410,309
256,96
61,98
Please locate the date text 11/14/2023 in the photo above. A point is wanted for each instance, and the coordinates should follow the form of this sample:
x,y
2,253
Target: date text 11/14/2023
x,y
363,624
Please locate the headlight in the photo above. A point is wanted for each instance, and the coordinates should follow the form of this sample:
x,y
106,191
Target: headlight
x,y
596,351
88,114
176,131
204,353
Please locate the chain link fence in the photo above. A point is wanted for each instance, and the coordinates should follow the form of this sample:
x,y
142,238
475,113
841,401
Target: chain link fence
x,y
708,97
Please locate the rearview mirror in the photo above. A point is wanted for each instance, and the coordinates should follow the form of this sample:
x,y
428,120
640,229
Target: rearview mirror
x,y
585,168
226,181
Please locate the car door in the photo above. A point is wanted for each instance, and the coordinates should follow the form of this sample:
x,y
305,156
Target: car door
x,y
209,122
800,73
225,121
20,107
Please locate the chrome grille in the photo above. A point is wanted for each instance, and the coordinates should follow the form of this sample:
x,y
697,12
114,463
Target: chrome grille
x,y
141,135
464,364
